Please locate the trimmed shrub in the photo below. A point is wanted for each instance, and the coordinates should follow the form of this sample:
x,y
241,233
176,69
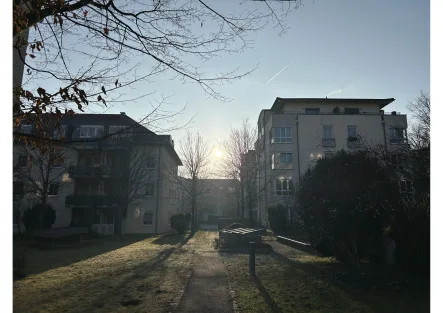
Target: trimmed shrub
x,y
277,218
180,222
40,216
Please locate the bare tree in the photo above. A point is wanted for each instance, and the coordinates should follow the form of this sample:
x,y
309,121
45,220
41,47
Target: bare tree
x,y
419,135
195,154
43,172
137,180
109,37
242,162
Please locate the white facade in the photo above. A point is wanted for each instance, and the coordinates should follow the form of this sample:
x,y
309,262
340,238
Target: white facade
x,y
295,133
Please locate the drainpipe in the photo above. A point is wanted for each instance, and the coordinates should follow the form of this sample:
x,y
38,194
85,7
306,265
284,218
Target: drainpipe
x,y
158,188
384,132
298,151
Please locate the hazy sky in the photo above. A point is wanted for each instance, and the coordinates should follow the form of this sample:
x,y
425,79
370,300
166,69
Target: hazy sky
x,y
335,48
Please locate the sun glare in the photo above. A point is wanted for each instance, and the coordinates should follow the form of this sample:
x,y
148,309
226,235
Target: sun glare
x,y
218,153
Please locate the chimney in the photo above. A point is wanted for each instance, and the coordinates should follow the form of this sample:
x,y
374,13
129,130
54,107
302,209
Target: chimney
x,y
122,113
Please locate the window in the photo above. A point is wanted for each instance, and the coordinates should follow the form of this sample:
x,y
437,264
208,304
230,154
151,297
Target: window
x,y
281,160
329,154
22,161
397,135
352,110
352,131
397,161
327,132
282,134
120,129
312,111
26,129
406,186
147,218
60,133
18,189
53,190
149,190
91,131
284,187
150,161
285,158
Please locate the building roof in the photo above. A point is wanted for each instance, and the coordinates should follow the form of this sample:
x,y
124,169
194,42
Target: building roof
x,y
279,102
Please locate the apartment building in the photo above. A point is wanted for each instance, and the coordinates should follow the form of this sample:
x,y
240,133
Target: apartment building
x,y
296,132
109,164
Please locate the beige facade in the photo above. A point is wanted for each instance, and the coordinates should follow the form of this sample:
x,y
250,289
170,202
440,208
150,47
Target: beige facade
x,y
93,171
313,129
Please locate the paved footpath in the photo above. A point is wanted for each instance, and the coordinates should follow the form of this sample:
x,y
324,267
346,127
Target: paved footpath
x,y
208,287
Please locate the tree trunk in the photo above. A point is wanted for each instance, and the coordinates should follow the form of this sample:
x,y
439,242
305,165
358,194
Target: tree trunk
x,y
194,204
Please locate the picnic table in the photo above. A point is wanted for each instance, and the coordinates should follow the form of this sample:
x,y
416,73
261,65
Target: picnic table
x,y
240,236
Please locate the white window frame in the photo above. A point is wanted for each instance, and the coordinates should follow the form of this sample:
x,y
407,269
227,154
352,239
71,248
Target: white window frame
x,y
324,133
49,189
143,218
96,131
118,128
286,138
149,186
284,192
351,127
393,135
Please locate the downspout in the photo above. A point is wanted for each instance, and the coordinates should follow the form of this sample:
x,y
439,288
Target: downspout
x,y
298,151
384,132
158,188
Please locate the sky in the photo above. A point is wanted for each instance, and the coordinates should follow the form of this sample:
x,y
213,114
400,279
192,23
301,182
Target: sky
x,y
340,48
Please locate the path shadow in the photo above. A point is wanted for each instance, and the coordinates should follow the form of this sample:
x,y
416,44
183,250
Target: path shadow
x,y
265,295
173,239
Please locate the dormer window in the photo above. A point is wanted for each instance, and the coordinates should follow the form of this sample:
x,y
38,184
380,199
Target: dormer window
x,y
91,131
60,133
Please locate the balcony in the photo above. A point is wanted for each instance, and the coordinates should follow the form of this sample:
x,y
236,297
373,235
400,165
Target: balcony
x,y
92,172
328,142
90,201
353,142
398,140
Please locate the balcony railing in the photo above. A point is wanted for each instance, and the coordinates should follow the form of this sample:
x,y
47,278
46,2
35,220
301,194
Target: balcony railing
x,y
328,142
353,142
92,171
96,200
399,140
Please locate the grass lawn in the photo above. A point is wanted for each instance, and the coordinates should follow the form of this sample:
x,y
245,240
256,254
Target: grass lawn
x,y
129,274
300,282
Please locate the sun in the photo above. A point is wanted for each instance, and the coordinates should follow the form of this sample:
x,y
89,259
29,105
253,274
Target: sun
x,y
218,153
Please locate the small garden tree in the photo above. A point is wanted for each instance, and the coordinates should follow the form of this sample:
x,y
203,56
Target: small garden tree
x,y
345,201
40,216
180,222
277,218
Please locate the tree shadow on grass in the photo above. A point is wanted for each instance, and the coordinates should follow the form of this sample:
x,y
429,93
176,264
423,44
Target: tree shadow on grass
x,y
173,239
380,289
265,295
40,260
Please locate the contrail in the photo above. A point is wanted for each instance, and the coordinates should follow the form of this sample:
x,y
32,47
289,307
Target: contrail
x,y
278,73
334,92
